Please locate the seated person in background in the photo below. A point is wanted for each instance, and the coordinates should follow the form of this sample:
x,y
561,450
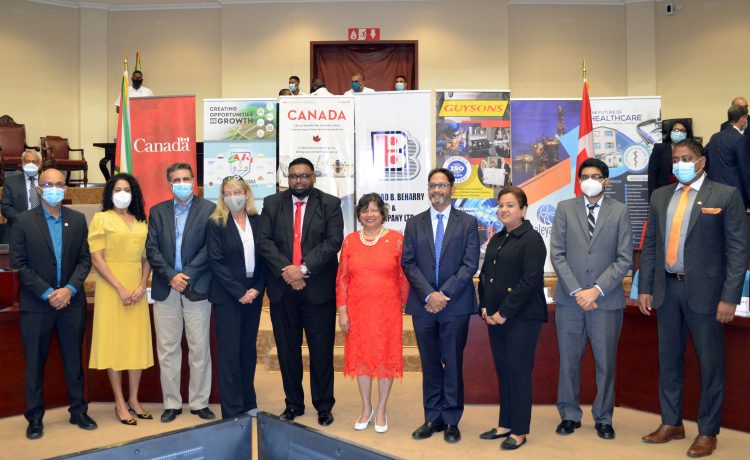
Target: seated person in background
x,y
294,86
19,190
318,88
285,92
136,89
739,100
358,85
401,84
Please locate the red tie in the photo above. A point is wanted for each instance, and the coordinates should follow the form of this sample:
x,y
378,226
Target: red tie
x,y
297,246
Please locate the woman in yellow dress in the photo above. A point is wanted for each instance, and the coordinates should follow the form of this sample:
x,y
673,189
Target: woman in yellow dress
x,y
122,327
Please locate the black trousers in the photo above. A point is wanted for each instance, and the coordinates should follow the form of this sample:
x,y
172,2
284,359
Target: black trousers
x,y
441,340
674,320
513,347
36,334
289,318
236,335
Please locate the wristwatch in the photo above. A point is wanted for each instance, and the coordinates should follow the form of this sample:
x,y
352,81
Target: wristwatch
x,y
303,269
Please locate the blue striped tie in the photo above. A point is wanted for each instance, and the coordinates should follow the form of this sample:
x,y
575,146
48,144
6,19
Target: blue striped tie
x,y
439,233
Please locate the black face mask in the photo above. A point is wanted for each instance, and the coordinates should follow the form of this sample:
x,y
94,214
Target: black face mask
x,y
137,82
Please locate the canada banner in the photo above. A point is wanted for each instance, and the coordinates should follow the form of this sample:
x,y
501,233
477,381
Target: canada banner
x,y
162,133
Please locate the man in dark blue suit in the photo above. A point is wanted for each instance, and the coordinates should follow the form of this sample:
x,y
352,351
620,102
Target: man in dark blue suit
x,y
728,160
440,257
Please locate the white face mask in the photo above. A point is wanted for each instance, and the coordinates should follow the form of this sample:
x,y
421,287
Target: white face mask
x,y
591,187
121,199
235,202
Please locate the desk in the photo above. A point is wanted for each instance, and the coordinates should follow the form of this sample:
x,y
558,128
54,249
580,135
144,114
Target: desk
x,y
636,381
109,158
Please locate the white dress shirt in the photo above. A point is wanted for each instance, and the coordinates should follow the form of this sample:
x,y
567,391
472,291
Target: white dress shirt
x,y
249,247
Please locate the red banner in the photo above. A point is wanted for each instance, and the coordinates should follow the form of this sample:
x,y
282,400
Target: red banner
x,y
162,133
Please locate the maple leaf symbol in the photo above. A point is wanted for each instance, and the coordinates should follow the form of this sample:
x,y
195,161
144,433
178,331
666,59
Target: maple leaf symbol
x,y
316,138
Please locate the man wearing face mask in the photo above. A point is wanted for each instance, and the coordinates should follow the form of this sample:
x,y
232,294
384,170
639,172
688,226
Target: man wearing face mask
x,y
176,249
693,264
591,250
19,190
136,89
728,162
294,86
358,85
300,234
49,249
401,84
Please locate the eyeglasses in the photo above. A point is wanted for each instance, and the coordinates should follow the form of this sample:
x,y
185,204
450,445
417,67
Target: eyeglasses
x,y
228,178
52,184
304,176
679,130
441,186
593,176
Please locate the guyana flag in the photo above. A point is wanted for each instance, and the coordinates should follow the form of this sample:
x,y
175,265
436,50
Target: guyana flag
x,y
124,148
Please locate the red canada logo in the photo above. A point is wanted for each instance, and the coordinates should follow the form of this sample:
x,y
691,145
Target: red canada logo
x,y
316,138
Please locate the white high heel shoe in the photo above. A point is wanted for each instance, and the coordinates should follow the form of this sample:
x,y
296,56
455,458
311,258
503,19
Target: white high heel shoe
x,y
381,429
359,426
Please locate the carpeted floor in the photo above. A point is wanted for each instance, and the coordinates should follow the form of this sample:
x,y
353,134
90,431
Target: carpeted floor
x,y
405,414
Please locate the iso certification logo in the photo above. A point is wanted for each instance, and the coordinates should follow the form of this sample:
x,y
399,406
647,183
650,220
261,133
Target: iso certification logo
x,y
460,167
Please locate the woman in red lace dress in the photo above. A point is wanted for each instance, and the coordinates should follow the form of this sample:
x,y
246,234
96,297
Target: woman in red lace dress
x,y
371,290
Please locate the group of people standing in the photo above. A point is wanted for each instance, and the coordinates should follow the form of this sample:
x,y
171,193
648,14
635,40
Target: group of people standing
x,y
226,255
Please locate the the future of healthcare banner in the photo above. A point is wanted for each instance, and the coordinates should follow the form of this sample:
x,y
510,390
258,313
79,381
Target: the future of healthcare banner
x,y
321,129
162,133
473,140
240,140
545,145
394,152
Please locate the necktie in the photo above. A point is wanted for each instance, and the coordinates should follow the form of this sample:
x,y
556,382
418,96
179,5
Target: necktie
x,y
674,231
297,246
33,196
591,218
439,233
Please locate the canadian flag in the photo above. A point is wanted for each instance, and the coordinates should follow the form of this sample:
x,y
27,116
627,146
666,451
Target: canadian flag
x,y
585,134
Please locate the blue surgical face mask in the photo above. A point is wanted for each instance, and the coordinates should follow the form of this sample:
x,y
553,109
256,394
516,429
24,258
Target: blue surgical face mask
x,y
292,87
685,171
53,195
356,86
182,191
30,169
677,136
400,86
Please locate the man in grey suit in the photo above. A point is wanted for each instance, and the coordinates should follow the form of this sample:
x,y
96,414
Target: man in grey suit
x,y
176,249
19,190
591,250
440,257
693,265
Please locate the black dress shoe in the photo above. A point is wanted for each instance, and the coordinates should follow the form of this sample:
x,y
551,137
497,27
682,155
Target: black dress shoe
x,y
83,421
289,414
493,434
325,417
605,431
511,444
426,430
204,413
35,429
143,416
170,414
452,434
567,427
